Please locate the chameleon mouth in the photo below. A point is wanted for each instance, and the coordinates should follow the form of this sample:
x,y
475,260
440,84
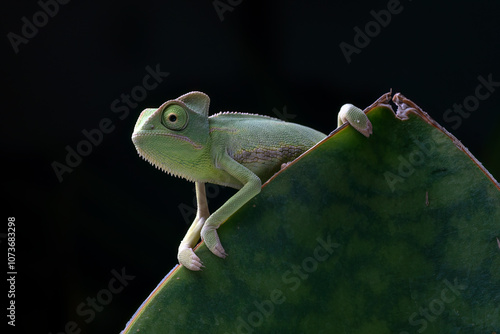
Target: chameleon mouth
x,y
136,135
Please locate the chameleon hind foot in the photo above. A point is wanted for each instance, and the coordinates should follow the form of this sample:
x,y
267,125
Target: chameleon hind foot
x,y
356,117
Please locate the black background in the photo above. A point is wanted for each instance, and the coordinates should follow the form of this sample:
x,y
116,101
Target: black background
x,y
116,211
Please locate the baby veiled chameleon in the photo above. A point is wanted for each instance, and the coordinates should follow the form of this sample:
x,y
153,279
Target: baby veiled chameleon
x,y
232,149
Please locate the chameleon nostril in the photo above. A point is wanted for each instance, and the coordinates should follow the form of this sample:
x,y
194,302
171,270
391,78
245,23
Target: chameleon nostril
x,y
151,126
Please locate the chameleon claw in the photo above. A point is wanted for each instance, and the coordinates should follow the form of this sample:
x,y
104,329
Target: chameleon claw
x,y
190,260
356,118
212,241
219,251
196,264
367,130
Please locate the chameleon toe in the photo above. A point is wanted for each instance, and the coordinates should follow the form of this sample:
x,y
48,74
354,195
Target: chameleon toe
x,y
190,260
219,251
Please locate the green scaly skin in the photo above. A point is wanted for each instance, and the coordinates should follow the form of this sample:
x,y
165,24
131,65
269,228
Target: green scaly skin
x,y
231,149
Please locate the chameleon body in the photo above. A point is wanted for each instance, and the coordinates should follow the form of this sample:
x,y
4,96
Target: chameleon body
x,y
231,149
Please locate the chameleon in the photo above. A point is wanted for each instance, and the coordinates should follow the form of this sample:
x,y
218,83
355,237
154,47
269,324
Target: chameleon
x,y
233,149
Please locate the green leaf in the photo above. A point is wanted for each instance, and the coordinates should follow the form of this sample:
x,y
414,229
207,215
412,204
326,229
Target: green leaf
x,y
396,233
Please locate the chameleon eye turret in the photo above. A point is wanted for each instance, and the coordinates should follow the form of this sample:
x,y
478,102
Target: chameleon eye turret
x,y
175,117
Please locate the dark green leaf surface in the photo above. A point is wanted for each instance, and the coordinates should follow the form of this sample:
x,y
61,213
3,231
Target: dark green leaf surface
x,y
396,233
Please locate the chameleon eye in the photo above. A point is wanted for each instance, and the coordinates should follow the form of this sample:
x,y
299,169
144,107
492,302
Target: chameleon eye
x,y
175,117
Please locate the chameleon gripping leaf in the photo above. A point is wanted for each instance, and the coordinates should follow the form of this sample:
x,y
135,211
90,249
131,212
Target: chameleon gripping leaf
x,y
232,149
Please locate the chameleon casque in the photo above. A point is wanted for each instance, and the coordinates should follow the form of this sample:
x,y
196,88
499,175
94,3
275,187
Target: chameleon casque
x,y
231,149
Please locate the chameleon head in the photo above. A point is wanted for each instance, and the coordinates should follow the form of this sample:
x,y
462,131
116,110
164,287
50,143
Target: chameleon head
x,y
174,137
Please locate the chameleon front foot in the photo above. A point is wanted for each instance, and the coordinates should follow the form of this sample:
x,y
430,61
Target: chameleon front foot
x,y
212,241
356,117
189,259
